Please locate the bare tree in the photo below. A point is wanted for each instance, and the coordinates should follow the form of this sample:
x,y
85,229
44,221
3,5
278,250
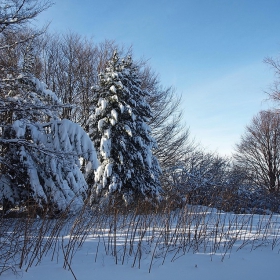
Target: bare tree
x,y
274,92
170,133
71,65
15,36
259,151
15,39
15,15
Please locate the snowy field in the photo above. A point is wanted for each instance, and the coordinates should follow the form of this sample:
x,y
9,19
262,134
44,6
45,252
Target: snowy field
x,y
194,243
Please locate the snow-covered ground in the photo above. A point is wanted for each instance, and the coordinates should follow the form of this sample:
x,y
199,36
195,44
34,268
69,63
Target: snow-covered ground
x,y
259,264
249,250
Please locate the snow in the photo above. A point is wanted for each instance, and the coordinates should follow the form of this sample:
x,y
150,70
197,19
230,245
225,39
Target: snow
x,y
140,157
19,127
114,114
52,178
241,262
35,184
115,75
113,122
145,127
128,130
121,157
42,88
121,107
88,167
108,170
148,158
139,141
73,138
103,104
113,89
105,147
101,124
115,97
98,173
120,86
113,186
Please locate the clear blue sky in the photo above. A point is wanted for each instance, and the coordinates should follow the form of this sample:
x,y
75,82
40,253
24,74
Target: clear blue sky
x,y
211,51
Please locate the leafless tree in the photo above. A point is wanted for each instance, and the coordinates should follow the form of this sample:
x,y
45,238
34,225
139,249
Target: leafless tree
x,y
15,15
16,34
16,38
274,91
69,68
71,65
170,132
259,151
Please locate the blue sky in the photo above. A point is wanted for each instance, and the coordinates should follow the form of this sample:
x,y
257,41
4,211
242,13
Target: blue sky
x,y
211,51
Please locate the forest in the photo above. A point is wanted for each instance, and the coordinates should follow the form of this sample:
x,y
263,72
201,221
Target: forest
x,y
90,139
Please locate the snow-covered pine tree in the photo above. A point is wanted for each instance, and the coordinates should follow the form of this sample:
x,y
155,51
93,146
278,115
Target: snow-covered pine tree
x,y
122,137
40,154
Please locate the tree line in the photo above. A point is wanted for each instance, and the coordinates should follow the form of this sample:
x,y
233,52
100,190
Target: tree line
x,y
83,121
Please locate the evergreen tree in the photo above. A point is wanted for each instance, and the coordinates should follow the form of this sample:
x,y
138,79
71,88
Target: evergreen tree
x,y
40,154
120,132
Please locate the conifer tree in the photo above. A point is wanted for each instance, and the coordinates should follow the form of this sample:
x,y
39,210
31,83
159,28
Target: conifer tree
x,y
39,154
119,130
